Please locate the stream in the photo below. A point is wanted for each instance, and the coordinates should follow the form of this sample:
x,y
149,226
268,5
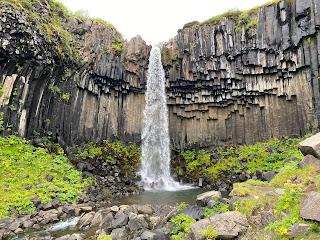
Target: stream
x,y
63,228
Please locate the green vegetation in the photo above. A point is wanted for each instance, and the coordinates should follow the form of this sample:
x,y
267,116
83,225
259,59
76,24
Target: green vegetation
x,y
117,45
1,122
246,18
210,233
66,96
181,206
55,89
104,237
218,207
249,158
182,226
286,207
12,108
128,156
23,172
1,89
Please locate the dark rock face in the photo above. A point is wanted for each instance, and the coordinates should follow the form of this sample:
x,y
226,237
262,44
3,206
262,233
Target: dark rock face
x,y
247,86
222,84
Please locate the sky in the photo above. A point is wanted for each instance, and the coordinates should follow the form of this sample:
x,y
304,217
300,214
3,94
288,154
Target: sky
x,y
155,21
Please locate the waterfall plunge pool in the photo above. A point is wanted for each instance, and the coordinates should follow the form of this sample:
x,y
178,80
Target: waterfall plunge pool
x,y
158,197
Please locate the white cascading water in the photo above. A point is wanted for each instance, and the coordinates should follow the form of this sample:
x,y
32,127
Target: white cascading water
x,y
155,149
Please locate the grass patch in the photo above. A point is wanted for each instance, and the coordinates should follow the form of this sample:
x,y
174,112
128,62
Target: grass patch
x,y
23,167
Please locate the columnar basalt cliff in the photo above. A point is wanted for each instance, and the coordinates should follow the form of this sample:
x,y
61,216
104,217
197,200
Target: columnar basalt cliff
x,y
246,85
224,82
94,93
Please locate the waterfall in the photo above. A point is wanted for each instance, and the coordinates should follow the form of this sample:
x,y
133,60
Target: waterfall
x,y
155,149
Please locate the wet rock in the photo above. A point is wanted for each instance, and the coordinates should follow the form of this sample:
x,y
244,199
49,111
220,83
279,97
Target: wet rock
x,y
85,220
310,208
18,230
98,217
5,222
65,237
154,235
70,210
229,225
107,222
14,226
144,209
311,146
193,211
204,198
120,221
298,229
135,225
27,224
119,234
77,236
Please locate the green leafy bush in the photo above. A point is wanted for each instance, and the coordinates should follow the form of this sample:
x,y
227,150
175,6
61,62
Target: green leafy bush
x,y
182,226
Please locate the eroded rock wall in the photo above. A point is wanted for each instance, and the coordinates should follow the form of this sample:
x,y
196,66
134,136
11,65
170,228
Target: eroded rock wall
x,y
246,86
100,96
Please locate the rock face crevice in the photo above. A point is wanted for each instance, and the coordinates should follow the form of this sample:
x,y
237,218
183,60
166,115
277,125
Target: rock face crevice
x,y
223,84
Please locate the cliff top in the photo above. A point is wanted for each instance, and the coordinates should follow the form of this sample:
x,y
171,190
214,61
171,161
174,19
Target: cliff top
x,y
242,18
53,20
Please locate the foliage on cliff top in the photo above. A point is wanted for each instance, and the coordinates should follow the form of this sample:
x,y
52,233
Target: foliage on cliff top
x,y
240,17
52,16
262,156
23,176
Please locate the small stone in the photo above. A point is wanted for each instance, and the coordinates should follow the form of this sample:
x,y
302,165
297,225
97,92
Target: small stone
x,y
268,176
49,177
18,230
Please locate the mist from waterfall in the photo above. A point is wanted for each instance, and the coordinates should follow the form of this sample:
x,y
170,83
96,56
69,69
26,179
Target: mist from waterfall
x,y
155,159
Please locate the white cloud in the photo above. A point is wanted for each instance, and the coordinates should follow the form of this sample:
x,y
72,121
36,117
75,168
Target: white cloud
x,y
155,21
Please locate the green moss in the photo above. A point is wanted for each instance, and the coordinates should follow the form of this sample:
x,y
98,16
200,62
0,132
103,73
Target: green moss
x,y
24,166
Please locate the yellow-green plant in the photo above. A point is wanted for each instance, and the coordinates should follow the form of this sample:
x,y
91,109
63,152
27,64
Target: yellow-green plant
x,y
210,233
182,226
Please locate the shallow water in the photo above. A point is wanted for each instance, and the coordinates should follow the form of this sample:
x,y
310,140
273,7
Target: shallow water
x,y
171,198
54,230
